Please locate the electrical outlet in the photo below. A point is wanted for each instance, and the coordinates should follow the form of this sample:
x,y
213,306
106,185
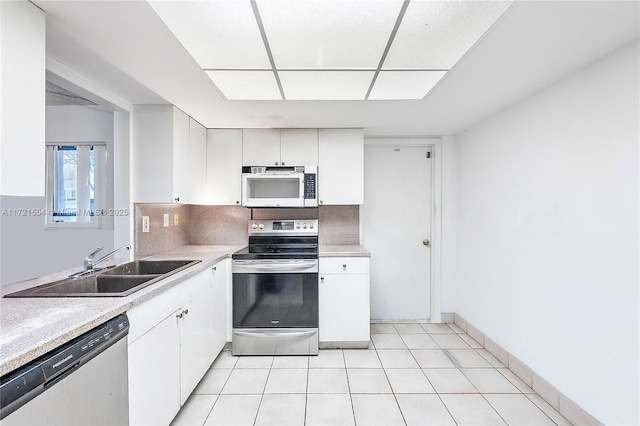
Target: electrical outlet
x,y
166,220
175,219
145,223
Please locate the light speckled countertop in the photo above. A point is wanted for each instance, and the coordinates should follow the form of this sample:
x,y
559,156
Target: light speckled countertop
x,y
347,250
31,327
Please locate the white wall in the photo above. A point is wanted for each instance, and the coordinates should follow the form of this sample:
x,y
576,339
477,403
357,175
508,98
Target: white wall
x,y
547,234
449,222
122,226
30,250
22,82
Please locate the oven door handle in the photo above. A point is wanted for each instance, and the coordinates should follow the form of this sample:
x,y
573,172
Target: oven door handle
x,y
276,267
269,334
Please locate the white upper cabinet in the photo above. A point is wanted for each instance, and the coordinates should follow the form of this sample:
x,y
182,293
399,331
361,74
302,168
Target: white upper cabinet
x,y
224,166
280,147
181,166
161,158
299,147
261,147
197,163
340,166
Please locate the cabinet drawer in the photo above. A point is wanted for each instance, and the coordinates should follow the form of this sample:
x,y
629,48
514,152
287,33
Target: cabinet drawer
x,y
344,265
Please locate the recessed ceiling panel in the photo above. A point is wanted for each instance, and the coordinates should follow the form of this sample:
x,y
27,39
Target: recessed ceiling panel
x,y
328,34
325,85
435,34
246,85
404,84
218,34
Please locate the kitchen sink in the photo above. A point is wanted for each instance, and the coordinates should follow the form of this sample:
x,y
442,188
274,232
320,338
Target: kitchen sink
x,y
118,281
150,267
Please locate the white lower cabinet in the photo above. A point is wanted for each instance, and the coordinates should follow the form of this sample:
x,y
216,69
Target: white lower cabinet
x,y
154,374
344,302
196,333
173,339
221,274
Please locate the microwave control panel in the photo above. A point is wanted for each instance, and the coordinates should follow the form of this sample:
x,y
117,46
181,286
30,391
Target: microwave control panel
x,y
309,186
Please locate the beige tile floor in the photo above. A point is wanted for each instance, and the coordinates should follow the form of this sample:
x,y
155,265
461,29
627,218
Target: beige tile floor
x,y
413,374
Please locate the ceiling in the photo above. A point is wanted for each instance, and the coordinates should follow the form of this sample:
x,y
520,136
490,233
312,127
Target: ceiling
x,y
125,48
59,96
327,49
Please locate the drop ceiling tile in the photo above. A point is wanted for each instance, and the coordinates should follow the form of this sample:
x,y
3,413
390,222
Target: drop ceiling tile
x,y
325,85
246,85
328,34
436,34
404,84
217,34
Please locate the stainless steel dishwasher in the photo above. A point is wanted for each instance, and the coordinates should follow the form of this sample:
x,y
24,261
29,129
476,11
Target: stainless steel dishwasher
x,y
83,382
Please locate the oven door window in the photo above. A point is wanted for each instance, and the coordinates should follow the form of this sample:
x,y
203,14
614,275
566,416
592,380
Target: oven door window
x,y
275,300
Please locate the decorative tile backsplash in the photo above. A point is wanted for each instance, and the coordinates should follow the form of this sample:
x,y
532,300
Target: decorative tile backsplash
x,y
160,238
207,225
219,225
339,225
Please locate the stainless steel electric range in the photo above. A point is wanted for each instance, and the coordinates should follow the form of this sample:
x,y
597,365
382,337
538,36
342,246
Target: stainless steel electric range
x,y
275,289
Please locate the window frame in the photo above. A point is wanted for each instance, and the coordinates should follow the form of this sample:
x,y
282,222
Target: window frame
x,y
100,185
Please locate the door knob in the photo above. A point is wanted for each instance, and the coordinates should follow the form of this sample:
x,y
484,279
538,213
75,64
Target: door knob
x,y
426,242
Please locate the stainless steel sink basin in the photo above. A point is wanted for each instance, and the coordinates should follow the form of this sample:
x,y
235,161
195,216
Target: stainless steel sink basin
x,y
149,267
119,281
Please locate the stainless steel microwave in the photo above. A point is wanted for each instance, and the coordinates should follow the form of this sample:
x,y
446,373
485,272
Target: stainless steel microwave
x,y
264,186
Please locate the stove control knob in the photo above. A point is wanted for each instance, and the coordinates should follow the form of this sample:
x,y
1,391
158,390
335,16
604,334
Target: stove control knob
x,y
304,226
297,226
311,225
261,226
254,226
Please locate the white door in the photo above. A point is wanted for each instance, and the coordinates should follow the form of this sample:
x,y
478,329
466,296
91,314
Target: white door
x,y
396,219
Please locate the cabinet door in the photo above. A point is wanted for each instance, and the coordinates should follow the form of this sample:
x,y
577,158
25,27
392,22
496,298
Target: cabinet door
x,y
261,147
152,154
344,308
299,147
181,166
340,166
197,163
219,306
196,332
154,374
224,166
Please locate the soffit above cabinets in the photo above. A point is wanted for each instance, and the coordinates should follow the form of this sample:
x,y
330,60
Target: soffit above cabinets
x,y
327,49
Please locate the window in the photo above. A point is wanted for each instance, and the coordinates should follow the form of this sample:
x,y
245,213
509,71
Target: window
x,y
76,184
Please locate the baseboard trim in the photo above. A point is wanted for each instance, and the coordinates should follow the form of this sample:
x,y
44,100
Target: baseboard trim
x,y
345,345
560,402
447,318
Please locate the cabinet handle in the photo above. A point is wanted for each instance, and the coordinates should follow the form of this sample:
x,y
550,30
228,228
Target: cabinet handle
x,y
215,268
179,316
321,278
282,164
276,163
237,202
186,311
321,201
344,266
177,199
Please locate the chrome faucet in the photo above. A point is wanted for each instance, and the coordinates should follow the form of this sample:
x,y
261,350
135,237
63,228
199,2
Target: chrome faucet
x,y
89,263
